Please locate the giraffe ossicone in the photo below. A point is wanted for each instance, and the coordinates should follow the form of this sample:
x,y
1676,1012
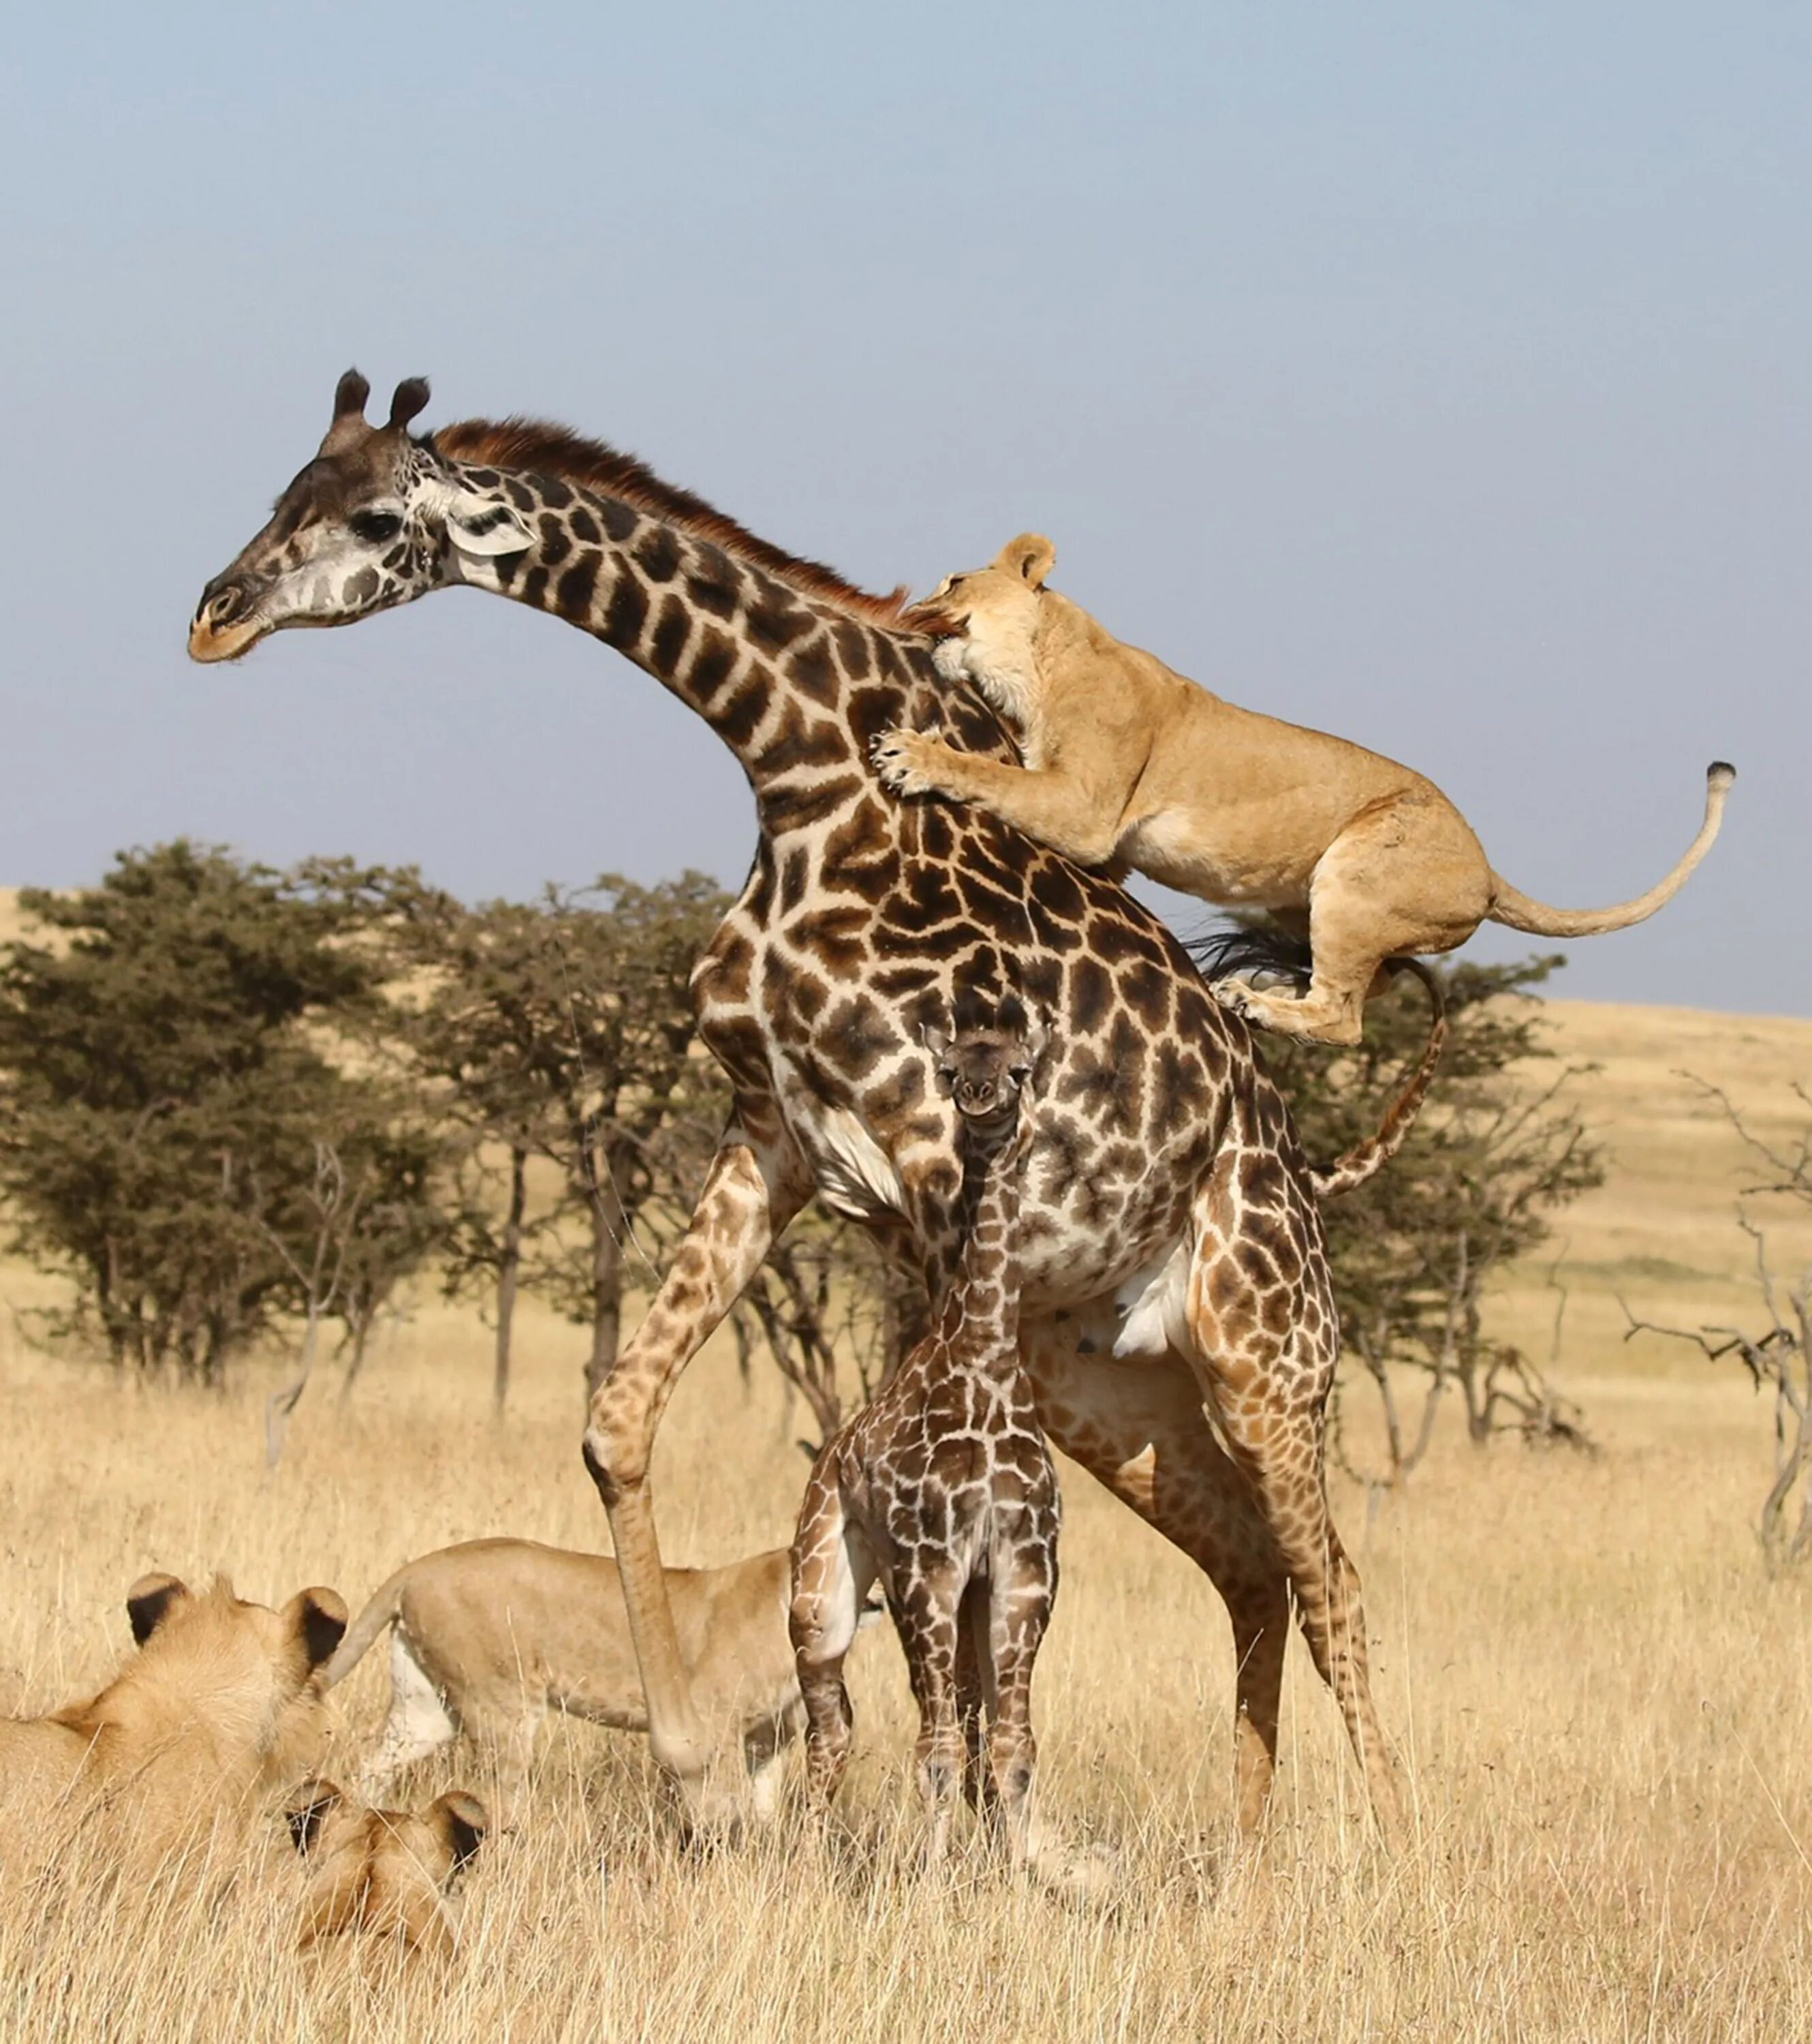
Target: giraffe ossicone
x,y
864,921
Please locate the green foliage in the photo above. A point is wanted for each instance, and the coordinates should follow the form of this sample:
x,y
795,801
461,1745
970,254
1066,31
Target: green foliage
x,y
564,1029
1496,1154
165,1079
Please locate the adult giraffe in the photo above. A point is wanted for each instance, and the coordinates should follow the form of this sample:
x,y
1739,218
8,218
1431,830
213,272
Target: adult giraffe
x,y
1164,1167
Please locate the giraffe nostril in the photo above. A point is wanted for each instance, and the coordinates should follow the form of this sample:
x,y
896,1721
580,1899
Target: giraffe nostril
x,y
223,605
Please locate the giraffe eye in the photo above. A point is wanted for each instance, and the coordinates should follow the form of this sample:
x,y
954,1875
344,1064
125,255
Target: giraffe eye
x,y
375,527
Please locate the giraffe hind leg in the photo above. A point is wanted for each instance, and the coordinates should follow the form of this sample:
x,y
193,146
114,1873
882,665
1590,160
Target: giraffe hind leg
x,y
1269,1393
1138,1429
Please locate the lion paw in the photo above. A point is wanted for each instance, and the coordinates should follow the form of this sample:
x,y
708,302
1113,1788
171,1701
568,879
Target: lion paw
x,y
904,759
1235,995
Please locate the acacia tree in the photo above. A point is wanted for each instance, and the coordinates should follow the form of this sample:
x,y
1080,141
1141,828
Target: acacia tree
x,y
564,1028
162,1052
831,1288
1778,1355
1492,1158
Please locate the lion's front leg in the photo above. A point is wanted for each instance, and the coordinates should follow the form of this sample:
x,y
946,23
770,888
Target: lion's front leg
x,y
919,762
1053,804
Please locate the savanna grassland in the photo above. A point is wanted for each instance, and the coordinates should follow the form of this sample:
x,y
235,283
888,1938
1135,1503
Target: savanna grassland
x,y
1601,1699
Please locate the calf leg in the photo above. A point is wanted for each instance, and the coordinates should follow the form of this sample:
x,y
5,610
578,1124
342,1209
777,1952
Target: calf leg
x,y
832,1569
1019,1602
927,1613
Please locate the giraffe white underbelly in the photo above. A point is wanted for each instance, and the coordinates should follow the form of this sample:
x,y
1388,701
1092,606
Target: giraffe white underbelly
x,y
1151,1303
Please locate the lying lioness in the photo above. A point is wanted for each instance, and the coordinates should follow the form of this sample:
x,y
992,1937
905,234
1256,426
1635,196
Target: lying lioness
x,y
382,1873
1128,764
492,1634
189,1726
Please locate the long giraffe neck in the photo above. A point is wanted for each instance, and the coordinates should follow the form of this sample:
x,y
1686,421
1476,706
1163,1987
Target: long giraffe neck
x,y
979,1322
794,684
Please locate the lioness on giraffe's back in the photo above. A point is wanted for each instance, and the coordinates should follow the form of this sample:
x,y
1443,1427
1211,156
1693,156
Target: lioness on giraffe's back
x,y
1128,763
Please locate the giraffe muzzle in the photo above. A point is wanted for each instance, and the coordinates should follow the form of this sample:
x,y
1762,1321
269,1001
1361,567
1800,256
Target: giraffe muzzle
x,y
224,625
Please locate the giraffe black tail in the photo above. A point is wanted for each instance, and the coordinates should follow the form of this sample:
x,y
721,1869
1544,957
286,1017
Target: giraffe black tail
x,y
1236,947
1364,1159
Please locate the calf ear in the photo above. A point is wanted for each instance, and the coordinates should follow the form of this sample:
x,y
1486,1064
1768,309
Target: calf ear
x,y
307,1807
462,1820
319,1617
1031,557
149,1602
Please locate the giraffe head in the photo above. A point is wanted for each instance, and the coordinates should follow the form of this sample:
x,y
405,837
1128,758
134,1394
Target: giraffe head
x,y
376,519
985,1066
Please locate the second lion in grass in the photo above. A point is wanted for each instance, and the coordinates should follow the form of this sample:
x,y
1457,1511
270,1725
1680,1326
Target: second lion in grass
x,y
491,1635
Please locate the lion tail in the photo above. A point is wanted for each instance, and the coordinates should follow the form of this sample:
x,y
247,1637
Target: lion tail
x,y
361,1635
1509,905
1366,1158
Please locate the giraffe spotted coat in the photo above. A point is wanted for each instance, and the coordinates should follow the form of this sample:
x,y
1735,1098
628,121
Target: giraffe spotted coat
x,y
1178,1323
944,1487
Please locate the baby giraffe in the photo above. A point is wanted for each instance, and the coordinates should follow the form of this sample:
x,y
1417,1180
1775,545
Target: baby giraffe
x,y
943,1488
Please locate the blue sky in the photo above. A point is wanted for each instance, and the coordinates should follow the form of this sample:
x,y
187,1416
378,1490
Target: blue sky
x,y
1438,375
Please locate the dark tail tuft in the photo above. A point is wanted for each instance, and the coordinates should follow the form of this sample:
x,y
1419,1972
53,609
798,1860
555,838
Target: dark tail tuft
x,y
1232,948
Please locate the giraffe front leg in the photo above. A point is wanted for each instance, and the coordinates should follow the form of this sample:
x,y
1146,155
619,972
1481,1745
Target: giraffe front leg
x,y
1020,1600
926,1614
975,1699
753,1190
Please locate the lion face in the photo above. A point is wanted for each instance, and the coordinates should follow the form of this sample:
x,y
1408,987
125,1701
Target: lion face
x,y
386,1874
986,622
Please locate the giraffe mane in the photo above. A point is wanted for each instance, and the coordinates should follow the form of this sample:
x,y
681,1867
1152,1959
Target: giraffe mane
x,y
545,448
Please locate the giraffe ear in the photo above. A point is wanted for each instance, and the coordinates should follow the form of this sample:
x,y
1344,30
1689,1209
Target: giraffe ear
x,y
482,526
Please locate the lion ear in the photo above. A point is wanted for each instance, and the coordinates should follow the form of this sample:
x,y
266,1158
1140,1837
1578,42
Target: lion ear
x,y
317,1617
1031,557
149,1601
462,1820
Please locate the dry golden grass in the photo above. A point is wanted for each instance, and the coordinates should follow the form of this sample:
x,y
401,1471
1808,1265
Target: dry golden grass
x,y
1660,1231
1600,1696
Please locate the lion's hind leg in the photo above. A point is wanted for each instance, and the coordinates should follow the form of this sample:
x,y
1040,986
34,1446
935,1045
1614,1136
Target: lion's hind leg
x,y
1405,877
418,1724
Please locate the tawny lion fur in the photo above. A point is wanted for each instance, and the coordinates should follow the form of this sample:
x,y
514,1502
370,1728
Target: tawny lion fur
x,y
221,1697
383,1874
1129,764
491,1635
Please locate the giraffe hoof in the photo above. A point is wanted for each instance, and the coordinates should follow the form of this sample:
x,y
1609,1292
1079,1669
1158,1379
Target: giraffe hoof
x,y
1088,1874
